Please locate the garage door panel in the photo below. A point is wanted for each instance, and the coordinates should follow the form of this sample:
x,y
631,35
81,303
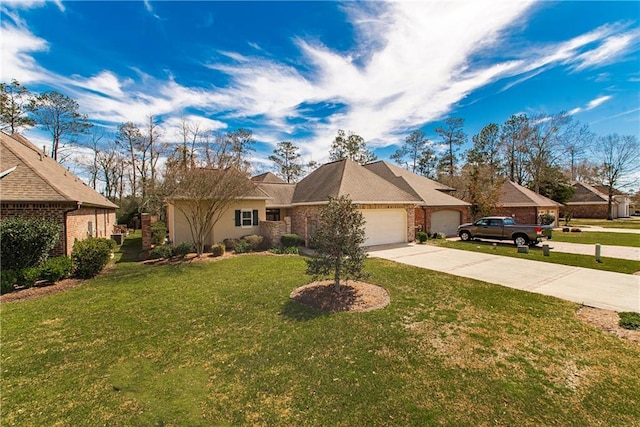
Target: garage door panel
x,y
385,226
446,221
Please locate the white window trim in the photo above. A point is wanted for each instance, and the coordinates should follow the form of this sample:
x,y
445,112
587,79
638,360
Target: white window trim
x,y
242,218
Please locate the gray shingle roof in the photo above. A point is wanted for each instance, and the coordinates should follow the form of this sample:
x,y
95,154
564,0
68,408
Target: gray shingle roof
x,y
427,190
281,195
513,195
587,194
38,178
347,178
268,178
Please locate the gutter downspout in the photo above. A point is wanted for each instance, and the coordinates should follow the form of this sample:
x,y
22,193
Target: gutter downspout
x,y
78,206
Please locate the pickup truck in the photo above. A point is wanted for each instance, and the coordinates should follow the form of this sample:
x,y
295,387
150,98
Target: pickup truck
x,y
504,228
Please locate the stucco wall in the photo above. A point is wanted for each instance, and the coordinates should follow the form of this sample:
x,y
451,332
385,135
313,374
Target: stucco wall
x,y
225,228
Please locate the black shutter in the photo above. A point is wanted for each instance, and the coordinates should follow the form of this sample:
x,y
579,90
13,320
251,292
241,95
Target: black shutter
x,y
238,219
255,217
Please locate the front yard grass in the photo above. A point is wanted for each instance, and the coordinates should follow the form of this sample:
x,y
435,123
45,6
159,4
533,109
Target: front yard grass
x,y
632,223
221,343
536,254
602,237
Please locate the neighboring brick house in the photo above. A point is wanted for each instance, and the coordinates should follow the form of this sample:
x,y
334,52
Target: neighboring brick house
x,y
32,184
524,205
592,202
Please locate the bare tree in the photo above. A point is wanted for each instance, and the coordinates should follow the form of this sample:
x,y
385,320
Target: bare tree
x,y
544,145
486,149
352,147
129,137
203,195
619,159
514,137
15,101
577,140
59,115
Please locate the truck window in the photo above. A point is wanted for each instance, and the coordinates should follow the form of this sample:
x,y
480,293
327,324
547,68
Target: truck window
x,y
509,221
495,222
480,222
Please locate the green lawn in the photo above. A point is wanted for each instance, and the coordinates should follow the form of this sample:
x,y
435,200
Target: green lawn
x,y
602,237
536,254
632,223
221,343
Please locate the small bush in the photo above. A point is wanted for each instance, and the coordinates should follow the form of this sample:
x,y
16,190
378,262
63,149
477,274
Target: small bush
x,y
26,242
291,240
8,278
230,244
184,248
576,230
56,269
291,250
422,236
28,276
217,250
438,236
629,320
242,247
161,251
547,219
255,242
90,256
158,232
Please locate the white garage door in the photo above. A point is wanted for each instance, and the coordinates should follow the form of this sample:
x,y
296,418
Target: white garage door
x,y
446,222
385,226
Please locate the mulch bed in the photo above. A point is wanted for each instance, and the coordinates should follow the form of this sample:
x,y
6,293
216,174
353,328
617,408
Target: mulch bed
x,y
353,296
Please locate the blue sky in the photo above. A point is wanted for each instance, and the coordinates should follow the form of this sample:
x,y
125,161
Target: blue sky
x,y
299,71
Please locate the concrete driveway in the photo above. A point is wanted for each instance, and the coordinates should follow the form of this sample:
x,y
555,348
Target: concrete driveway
x,y
594,288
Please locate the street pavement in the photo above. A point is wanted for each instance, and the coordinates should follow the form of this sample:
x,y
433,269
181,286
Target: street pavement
x,y
594,288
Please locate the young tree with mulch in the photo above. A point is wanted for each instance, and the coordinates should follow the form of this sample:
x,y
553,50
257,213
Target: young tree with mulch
x,y
338,241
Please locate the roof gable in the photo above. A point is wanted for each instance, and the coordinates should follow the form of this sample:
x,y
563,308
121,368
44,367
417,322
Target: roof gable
x,y
347,178
515,195
428,190
38,178
268,178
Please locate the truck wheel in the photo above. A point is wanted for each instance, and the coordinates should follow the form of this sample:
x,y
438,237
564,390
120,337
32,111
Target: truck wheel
x,y
465,236
521,240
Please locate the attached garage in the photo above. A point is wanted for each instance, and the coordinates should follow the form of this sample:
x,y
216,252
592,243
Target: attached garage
x,y
445,221
385,226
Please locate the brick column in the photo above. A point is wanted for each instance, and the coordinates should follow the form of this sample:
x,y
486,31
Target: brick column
x,y
146,231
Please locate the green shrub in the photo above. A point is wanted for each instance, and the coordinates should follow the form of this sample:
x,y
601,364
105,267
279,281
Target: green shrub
x,y
422,236
56,269
547,219
161,251
217,250
438,235
8,278
255,242
158,232
26,242
90,256
230,244
242,247
291,250
28,276
184,248
290,240
629,320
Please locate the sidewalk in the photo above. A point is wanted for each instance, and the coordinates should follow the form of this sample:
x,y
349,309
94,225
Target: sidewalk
x,y
595,288
606,251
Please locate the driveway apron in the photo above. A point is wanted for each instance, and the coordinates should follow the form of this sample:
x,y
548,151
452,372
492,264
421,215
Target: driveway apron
x,y
594,288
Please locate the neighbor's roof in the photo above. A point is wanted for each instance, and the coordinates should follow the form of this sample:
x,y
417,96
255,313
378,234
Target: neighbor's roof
x,y
586,194
347,178
429,191
38,178
513,195
268,178
244,188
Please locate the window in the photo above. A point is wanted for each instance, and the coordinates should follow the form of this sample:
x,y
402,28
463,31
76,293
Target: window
x,y
273,214
247,219
90,228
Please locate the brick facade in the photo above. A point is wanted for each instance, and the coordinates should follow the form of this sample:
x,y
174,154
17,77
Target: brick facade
x,y
598,211
74,223
272,231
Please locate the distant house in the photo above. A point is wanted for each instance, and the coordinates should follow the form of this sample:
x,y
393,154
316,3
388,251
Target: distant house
x,y
524,205
34,185
394,203
592,202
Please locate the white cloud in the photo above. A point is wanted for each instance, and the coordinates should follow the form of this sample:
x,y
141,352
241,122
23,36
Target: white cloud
x,y
590,105
149,7
610,49
17,46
